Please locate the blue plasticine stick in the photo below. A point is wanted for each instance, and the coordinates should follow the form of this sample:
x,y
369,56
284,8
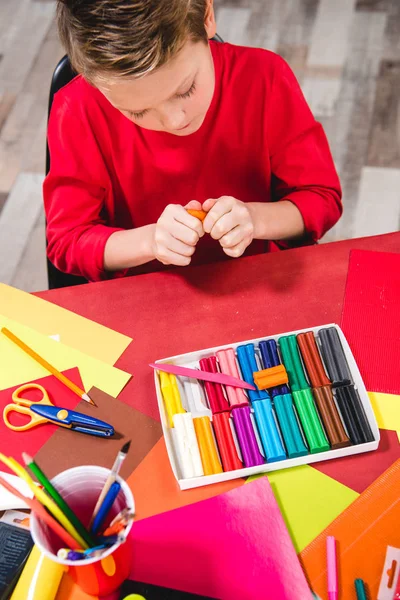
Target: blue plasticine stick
x,y
248,366
268,430
270,358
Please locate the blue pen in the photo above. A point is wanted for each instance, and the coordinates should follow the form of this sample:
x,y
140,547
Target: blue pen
x,y
262,406
283,404
105,507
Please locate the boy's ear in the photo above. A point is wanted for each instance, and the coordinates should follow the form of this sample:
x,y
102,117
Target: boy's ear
x,y
209,19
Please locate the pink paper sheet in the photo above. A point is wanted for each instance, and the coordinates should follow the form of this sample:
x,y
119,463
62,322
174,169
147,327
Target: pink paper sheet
x,y
371,318
235,545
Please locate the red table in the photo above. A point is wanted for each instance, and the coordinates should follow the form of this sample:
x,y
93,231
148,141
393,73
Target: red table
x,y
187,309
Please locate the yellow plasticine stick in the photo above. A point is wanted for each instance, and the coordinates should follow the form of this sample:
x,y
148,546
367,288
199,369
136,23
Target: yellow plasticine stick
x,y
171,395
44,499
208,450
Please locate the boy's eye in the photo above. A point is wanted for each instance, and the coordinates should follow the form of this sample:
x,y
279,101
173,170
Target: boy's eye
x,y
138,115
190,91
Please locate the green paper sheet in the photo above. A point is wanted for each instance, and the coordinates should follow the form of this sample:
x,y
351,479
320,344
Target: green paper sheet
x,y
309,501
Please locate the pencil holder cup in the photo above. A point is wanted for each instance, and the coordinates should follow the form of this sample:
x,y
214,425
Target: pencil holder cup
x,y
80,487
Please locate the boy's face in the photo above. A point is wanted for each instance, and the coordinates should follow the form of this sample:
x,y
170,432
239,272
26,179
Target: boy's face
x,y
175,98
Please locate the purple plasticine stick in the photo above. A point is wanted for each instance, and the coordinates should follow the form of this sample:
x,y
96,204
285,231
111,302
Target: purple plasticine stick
x,y
246,436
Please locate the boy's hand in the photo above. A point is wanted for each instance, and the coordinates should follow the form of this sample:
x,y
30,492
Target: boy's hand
x,y
176,234
230,221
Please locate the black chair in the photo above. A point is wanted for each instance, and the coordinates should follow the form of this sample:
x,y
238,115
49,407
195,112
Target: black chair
x,y
63,74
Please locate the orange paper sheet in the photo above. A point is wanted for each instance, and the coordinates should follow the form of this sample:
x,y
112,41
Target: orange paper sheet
x,y
362,532
156,490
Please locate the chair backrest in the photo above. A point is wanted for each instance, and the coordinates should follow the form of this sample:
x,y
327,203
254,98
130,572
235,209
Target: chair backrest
x,y
63,74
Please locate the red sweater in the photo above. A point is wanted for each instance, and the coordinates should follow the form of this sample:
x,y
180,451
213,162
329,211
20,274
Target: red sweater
x,y
259,143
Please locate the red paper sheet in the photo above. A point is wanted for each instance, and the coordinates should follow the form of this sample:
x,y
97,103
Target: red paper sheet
x,y
13,443
360,470
233,546
371,318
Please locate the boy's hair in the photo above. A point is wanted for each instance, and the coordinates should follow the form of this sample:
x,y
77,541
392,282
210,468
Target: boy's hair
x,y
106,38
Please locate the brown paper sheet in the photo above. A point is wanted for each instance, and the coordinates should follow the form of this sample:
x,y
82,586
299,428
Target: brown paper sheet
x,y
66,449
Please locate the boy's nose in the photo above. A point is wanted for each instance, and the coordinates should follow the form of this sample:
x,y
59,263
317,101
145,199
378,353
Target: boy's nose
x,y
173,119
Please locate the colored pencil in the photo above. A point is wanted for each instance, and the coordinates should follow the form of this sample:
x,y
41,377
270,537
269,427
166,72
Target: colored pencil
x,y
360,589
72,386
120,522
111,478
332,568
44,499
42,513
105,507
58,499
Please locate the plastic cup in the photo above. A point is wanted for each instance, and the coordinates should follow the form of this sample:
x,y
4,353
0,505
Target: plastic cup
x,y
80,487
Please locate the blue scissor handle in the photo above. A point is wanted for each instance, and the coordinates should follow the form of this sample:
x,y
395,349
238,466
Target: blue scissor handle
x,y
75,420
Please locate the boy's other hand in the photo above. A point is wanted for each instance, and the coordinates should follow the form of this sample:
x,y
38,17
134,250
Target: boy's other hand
x,y
176,234
230,222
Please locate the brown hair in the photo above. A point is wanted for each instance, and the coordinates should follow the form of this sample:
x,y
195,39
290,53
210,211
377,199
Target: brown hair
x,y
106,38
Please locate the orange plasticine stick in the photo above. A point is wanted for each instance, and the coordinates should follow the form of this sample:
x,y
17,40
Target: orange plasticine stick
x,y
199,214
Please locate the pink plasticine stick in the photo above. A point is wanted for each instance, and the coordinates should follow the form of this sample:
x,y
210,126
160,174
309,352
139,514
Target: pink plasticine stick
x,y
203,375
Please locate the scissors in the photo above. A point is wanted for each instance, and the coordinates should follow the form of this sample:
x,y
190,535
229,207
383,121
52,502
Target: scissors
x,y
44,411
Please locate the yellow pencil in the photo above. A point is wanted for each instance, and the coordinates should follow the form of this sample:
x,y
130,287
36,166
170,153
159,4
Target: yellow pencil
x,y
44,499
81,393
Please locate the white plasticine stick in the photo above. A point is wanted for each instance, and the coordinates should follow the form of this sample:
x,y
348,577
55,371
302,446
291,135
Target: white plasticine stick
x,y
187,446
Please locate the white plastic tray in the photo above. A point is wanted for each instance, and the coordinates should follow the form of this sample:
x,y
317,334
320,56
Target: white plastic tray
x,y
187,359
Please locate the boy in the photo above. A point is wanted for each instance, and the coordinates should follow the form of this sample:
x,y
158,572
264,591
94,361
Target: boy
x,y
160,120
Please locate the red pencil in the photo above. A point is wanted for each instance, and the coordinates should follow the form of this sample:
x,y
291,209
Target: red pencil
x,y
42,513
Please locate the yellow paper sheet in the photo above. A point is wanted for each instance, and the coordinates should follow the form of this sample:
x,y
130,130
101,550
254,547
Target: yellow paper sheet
x,y
309,501
75,331
387,410
17,367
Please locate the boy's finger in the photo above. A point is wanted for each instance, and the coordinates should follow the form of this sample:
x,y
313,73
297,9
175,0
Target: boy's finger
x,y
171,258
178,247
184,234
193,204
208,204
221,207
182,216
236,251
232,238
222,226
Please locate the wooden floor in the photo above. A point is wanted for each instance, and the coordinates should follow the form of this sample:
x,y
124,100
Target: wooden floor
x,y
345,53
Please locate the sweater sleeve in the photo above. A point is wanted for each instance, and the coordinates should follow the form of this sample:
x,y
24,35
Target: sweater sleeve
x,y
302,167
74,197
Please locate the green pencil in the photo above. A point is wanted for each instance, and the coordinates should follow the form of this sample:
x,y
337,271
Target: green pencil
x,y
360,589
62,505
